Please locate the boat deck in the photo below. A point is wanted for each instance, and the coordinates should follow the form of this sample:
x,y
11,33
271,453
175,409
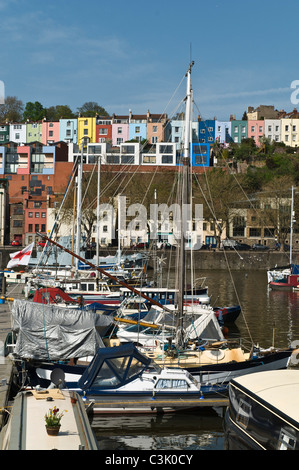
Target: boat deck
x,y
26,430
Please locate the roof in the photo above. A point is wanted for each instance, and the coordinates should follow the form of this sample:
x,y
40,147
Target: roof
x,y
278,388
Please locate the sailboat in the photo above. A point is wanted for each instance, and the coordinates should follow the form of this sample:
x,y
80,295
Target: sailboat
x,y
286,277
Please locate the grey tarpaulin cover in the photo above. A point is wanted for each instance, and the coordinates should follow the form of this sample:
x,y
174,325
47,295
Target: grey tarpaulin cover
x,y
48,332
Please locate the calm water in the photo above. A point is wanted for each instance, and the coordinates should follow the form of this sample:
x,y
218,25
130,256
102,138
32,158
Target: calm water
x,y
267,315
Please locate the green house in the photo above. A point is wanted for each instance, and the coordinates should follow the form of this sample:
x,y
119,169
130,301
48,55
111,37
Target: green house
x,y
34,132
239,131
4,133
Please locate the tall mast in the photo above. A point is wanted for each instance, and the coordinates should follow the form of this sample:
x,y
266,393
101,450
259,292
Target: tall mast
x,y
291,227
184,202
79,205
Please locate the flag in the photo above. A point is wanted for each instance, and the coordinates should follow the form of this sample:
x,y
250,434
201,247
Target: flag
x,y
21,257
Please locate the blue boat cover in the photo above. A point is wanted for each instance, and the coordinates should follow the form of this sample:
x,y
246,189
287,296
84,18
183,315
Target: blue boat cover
x,y
113,367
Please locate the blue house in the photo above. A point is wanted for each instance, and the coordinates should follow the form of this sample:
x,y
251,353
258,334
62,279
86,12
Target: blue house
x,y
206,131
68,130
201,155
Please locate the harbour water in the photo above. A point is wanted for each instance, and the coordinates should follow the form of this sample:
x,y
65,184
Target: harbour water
x,y
267,316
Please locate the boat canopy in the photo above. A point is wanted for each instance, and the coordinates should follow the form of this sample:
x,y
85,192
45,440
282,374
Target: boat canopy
x,y
114,367
49,332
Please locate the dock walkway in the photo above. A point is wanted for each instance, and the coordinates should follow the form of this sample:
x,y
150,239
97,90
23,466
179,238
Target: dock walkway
x,y
13,291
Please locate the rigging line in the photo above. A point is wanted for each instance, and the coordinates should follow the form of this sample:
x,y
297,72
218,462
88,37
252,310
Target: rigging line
x,y
71,178
228,266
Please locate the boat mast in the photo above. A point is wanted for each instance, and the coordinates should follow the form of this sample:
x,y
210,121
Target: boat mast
x,y
79,205
184,202
291,228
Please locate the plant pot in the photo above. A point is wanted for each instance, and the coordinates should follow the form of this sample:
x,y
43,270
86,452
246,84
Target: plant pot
x,y
52,430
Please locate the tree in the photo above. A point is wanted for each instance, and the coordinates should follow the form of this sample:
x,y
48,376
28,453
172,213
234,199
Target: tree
x,y
54,113
34,111
91,108
11,110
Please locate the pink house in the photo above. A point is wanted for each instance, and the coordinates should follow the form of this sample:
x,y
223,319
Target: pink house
x,y
120,129
256,130
50,132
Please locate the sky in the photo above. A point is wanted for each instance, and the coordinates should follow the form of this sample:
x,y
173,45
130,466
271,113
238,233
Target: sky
x,y
133,55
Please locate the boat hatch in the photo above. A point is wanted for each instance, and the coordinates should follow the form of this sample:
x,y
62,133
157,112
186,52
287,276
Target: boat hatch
x,y
114,367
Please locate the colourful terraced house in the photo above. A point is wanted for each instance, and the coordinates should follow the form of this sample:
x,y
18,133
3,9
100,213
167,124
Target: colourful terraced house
x,y
86,131
50,132
34,132
68,130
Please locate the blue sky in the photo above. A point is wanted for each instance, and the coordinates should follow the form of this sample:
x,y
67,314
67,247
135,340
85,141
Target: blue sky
x,y
134,54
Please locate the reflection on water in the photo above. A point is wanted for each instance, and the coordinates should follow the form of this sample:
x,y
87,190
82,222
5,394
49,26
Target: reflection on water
x,y
266,316
188,431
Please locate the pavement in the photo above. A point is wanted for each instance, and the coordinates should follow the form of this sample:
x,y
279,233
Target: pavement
x,y
12,291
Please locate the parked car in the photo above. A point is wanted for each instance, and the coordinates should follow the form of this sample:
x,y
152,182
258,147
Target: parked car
x,y
259,247
205,247
41,243
234,245
16,243
242,246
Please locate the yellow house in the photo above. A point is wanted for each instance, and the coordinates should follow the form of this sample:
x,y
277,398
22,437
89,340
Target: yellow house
x,y
290,132
86,130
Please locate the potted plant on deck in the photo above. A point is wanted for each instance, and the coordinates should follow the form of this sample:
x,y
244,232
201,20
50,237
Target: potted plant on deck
x,y
53,419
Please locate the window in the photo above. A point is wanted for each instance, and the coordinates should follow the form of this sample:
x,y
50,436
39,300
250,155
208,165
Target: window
x,y
155,128
36,227
17,223
254,232
137,130
171,383
242,417
30,214
30,228
43,215
85,131
37,215
286,441
103,131
286,128
119,130
37,204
